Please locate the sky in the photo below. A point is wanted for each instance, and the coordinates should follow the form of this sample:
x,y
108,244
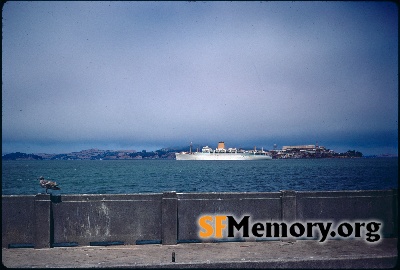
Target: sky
x,y
148,75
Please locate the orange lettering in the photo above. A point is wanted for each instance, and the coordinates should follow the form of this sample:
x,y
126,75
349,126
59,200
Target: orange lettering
x,y
208,228
219,226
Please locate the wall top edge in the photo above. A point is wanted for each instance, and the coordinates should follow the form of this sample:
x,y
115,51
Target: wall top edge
x,y
180,194
17,196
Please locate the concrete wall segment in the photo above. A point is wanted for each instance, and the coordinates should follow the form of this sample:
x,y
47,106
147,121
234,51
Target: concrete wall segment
x,y
107,220
260,206
170,217
18,219
339,206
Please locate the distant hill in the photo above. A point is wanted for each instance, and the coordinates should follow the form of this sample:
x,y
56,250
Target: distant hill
x,y
21,156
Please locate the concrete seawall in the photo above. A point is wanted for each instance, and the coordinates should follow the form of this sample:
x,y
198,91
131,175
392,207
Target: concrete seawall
x,y
44,221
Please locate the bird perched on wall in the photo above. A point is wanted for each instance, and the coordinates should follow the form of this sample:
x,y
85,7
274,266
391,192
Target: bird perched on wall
x,y
47,184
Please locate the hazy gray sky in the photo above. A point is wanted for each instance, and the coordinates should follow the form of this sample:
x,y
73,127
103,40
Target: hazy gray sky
x,y
147,75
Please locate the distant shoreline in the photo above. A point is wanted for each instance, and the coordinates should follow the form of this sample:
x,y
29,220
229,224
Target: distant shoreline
x,y
95,154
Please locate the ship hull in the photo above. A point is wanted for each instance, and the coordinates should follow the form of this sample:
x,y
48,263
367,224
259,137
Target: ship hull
x,y
220,156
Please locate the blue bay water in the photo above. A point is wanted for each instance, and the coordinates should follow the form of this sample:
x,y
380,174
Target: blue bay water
x,y
153,176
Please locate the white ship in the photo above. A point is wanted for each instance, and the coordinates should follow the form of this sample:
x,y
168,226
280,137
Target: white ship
x,y
221,153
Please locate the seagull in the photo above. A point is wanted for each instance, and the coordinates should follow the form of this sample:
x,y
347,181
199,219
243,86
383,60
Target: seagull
x,y
47,184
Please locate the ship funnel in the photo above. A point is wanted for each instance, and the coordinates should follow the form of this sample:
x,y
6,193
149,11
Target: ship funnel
x,y
221,145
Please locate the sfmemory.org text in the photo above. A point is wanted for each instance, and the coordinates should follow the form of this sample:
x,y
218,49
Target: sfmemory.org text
x,y
221,226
